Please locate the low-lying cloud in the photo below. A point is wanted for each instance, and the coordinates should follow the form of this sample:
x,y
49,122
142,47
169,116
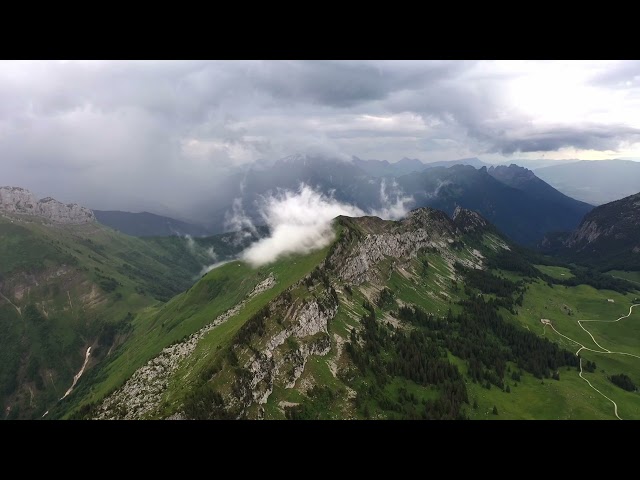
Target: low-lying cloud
x,y
191,244
436,191
300,222
208,268
238,221
394,204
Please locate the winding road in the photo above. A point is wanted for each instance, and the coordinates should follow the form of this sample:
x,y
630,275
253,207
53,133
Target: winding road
x,y
602,350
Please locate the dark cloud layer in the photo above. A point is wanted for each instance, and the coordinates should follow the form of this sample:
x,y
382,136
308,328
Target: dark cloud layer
x,y
588,137
154,135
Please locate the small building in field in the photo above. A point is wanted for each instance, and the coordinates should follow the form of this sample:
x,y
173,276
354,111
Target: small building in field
x,y
545,321
610,300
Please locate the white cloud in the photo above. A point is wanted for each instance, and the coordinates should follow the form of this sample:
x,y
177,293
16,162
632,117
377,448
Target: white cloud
x,y
191,244
392,209
300,221
208,268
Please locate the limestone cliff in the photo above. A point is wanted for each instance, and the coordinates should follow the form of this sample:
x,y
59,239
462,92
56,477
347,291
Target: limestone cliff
x,y
16,200
619,220
607,237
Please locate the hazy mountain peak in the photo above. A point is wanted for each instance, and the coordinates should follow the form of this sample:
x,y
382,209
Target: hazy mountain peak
x,y
295,158
410,161
513,174
594,181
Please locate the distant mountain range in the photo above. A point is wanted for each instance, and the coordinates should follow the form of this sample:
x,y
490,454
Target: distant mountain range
x,y
595,182
147,224
513,198
383,168
520,203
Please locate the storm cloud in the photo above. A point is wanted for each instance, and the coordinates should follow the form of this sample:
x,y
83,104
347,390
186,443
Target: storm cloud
x,y
154,135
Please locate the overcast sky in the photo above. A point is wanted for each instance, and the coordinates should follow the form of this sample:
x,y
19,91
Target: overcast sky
x,y
113,134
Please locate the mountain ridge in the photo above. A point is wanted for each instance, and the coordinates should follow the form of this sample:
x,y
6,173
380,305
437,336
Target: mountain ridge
x,y
522,214
524,217
392,320
607,237
17,200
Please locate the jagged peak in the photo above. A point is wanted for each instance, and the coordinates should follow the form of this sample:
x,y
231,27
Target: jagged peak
x,y
423,217
468,220
512,170
18,200
425,212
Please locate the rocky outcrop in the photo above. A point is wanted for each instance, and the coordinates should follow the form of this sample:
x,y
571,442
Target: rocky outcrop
x,y
512,175
275,362
468,220
617,221
58,212
588,232
608,237
142,394
375,248
421,228
16,200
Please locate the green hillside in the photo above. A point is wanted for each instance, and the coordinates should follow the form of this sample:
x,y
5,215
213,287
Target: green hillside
x,y
421,332
425,318
65,288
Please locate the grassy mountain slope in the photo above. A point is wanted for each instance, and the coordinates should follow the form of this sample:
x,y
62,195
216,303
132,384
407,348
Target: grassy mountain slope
x,y
217,292
428,317
64,288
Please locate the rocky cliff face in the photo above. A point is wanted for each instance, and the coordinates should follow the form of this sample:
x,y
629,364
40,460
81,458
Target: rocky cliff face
x,y
422,228
619,220
142,394
588,232
608,236
468,220
309,336
20,201
512,175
